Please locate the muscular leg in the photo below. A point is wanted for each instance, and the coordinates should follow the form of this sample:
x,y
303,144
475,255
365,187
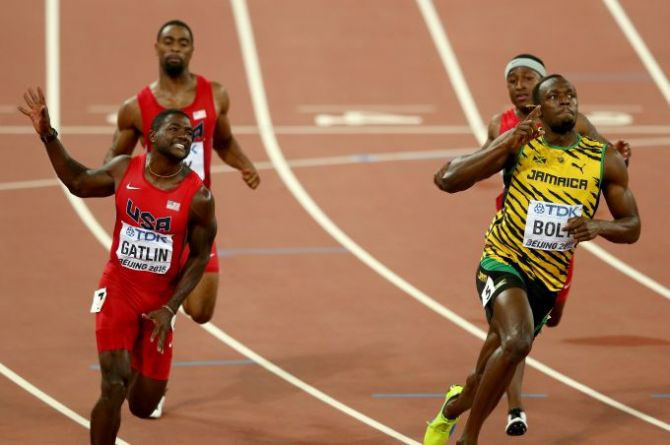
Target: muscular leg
x,y
513,322
464,401
106,414
201,301
514,388
144,394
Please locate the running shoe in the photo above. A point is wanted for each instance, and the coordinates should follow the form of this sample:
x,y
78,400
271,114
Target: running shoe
x,y
158,412
441,428
516,422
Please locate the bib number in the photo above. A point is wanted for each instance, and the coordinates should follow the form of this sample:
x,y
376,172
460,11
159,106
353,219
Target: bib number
x,y
144,250
488,291
99,297
545,224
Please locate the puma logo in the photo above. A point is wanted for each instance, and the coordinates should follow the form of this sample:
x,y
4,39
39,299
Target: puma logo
x,y
580,167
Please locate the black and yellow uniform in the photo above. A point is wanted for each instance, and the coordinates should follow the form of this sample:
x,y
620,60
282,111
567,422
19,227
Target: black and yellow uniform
x,y
548,185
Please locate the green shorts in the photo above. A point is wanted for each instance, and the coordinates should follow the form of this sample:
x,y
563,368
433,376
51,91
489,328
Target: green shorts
x,y
493,277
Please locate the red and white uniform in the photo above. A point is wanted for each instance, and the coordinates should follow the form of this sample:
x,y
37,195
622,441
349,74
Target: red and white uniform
x,y
203,118
144,265
509,120
202,112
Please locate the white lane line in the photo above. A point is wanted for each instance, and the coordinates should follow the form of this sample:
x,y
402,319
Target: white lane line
x,y
450,62
309,389
47,399
88,219
258,97
470,108
438,34
360,158
53,99
640,47
285,130
307,130
329,108
31,184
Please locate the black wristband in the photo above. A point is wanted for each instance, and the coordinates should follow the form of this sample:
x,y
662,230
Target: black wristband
x,y
50,136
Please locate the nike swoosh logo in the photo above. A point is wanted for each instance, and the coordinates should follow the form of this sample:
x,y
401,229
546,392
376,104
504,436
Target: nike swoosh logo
x,y
130,187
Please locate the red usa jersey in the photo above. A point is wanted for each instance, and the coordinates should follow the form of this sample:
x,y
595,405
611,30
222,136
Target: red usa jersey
x,y
150,229
508,120
203,118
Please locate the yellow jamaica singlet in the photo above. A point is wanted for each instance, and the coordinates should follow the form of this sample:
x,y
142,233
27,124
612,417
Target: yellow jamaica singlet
x,y
548,185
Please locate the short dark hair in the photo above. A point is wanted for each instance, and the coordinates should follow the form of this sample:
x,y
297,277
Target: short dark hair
x,y
529,56
160,118
174,23
536,88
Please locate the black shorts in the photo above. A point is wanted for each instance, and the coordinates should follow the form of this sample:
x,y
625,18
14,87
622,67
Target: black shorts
x,y
493,277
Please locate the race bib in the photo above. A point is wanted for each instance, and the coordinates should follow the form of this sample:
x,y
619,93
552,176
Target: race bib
x,y
144,250
488,291
99,297
545,223
196,159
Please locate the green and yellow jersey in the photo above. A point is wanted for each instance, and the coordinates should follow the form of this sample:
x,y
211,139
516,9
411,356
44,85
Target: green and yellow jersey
x,y
548,185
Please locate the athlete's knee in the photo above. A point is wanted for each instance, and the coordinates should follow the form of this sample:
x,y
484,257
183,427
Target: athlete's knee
x,y
116,374
114,389
517,346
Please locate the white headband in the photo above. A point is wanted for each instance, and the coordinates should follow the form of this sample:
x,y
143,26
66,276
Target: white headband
x,y
525,62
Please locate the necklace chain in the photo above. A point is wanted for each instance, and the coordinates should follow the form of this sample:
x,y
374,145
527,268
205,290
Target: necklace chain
x,y
165,176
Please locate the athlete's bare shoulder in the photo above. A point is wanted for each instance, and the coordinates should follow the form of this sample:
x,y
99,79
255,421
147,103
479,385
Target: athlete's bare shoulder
x,y
493,130
221,98
129,115
494,124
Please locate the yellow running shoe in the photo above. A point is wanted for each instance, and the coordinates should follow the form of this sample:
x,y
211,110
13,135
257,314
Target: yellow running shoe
x,y
441,428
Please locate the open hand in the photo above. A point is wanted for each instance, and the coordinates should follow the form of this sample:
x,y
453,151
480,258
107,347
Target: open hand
x,y
37,110
162,319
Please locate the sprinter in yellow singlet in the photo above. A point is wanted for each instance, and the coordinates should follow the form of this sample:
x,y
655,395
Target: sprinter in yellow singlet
x,y
555,186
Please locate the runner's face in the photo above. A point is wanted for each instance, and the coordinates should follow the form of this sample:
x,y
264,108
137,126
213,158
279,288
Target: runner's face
x,y
520,83
174,49
558,99
174,137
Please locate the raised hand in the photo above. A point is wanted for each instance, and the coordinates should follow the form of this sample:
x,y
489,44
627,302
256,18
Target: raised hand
x,y
37,110
528,129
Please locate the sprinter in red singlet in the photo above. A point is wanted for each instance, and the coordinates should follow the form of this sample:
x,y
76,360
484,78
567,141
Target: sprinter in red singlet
x,y
522,73
207,105
162,207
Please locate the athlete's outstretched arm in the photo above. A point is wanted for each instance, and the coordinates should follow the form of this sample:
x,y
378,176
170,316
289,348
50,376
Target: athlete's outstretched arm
x,y
127,132
225,144
79,179
625,226
463,172
201,233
